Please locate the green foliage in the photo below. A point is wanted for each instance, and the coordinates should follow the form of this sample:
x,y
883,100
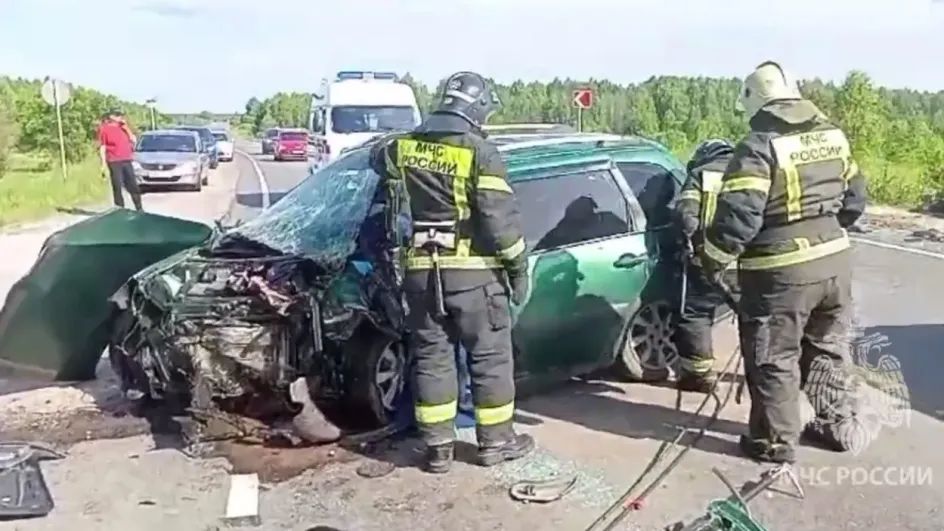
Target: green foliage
x,y
897,134
28,124
203,118
285,109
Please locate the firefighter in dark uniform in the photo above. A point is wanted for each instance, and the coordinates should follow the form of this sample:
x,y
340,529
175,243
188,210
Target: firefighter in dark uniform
x,y
694,211
466,257
786,199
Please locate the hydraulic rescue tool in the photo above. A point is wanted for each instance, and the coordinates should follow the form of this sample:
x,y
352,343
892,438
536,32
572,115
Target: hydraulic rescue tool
x,y
732,513
727,514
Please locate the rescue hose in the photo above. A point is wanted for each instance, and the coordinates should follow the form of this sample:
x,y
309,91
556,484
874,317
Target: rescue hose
x,y
629,502
733,514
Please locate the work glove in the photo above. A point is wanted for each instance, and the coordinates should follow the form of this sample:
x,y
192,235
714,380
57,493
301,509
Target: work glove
x,y
519,285
713,271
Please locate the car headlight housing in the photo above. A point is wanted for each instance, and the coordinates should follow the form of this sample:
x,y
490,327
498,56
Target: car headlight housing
x,y
188,167
137,166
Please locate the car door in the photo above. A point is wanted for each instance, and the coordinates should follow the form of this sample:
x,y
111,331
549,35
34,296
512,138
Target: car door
x,y
655,180
578,225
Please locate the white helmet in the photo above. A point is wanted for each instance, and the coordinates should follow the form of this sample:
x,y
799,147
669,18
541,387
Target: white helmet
x,y
768,82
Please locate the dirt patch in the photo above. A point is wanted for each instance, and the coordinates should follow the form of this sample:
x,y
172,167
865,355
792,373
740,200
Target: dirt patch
x,y
898,219
66,429
275,465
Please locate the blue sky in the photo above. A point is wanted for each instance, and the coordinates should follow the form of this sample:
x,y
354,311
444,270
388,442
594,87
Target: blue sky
x,y
215,54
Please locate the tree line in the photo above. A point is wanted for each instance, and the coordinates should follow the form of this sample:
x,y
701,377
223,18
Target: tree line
x,y
28,123
897,134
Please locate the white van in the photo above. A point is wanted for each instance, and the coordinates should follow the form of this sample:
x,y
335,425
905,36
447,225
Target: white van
x,y
357,106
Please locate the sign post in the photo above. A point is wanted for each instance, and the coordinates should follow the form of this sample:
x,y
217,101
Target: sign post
x,y
56,93
150,104
583,100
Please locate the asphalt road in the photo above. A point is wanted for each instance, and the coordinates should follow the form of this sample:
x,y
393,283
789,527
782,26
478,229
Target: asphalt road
x,y
263,181
601,431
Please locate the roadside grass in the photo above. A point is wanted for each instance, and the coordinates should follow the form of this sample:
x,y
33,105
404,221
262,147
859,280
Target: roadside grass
x,y
897,184
33,188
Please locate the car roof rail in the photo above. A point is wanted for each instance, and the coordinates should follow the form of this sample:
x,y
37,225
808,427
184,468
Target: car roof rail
x,y
537,127
579,138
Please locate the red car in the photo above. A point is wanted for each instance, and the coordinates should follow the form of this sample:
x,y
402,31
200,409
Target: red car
x,y
292,144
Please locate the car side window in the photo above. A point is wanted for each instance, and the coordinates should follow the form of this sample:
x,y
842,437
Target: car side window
x,y
571,208
654,186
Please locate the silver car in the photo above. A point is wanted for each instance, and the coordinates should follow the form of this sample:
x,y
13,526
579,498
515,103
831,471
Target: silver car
x,y
171,158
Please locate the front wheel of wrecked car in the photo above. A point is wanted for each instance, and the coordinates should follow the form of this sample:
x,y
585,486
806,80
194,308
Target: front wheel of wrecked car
x,y
378,365
647,352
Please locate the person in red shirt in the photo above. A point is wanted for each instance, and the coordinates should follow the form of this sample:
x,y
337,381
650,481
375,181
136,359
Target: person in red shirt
x,y
116,149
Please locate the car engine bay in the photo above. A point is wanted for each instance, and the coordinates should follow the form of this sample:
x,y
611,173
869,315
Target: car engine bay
x,y
249,342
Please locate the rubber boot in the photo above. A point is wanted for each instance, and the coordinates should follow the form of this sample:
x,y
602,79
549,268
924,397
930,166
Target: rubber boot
x,y
310,423
694,382
517,447
439,457
767,452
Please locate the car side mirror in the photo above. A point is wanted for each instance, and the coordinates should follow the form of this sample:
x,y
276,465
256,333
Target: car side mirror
x,y
629,261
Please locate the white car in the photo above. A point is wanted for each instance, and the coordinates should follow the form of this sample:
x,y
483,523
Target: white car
x,y
224,146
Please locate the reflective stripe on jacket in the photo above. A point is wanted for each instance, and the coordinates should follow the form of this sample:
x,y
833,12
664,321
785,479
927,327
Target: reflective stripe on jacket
x,y
456,177
789,192
698,202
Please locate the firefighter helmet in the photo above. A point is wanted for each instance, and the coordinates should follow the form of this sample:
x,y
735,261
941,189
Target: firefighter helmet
x,y
469,95
768,82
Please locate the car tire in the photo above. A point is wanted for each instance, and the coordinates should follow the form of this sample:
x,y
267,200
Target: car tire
x,y
205,180
214,165
378,370
197,187
646,352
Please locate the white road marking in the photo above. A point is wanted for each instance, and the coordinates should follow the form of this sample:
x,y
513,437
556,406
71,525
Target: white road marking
x,y
242,503
263,184
901,248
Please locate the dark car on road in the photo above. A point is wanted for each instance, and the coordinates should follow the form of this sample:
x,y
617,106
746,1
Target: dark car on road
x,y
208,140
269,138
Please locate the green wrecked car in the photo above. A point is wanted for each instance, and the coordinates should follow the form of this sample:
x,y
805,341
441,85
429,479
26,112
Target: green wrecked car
x,y
307,291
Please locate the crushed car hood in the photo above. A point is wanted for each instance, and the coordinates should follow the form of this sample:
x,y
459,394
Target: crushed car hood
x,y
56,321
320,219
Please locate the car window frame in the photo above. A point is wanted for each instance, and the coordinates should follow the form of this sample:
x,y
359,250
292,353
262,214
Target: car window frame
x,y
676,171
605,167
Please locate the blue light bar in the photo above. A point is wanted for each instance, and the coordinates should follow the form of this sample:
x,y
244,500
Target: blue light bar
x,y
357,74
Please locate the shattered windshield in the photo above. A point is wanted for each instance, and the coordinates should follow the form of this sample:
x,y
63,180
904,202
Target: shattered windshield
x,y
321,217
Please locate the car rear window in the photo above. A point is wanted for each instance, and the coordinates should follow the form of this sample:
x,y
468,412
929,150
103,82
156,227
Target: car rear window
x,y
272,133
293,136
166,143
221,137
